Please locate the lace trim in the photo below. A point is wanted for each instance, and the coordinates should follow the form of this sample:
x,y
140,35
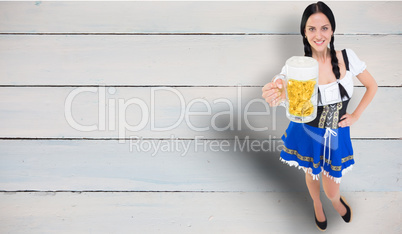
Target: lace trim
x,y
317,177
311,159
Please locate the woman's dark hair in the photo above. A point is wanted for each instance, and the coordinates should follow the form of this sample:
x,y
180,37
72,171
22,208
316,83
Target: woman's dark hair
x,y
320,7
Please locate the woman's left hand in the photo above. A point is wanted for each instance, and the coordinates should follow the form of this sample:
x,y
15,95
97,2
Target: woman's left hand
x,y
347,120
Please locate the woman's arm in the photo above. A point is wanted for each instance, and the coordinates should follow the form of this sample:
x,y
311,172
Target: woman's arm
x,y
371,88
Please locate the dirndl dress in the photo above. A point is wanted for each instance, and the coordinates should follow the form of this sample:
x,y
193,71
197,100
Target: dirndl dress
x,y
317,150
320,145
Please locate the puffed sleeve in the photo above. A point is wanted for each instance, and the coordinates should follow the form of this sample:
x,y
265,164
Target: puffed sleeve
x,y
356,66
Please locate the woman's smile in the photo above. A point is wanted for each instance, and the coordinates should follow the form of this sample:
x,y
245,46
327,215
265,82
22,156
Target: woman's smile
x,y
318,31
319,43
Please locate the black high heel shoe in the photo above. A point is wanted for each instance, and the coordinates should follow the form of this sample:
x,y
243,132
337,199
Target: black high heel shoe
x,y
348,216
322,226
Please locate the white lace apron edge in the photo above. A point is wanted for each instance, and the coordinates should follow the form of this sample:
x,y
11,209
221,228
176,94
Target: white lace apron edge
x,y
317,177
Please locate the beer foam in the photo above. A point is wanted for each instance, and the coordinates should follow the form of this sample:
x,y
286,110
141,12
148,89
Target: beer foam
x,y
302,68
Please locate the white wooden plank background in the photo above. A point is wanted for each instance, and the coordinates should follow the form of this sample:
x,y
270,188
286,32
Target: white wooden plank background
x,y
192,17
236,212
41,112
175,60
202,50
206,165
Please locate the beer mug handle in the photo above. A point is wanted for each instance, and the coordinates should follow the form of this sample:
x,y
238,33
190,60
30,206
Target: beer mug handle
x,y
279,76
283,78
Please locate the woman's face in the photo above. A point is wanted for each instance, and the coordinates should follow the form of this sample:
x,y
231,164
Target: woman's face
x,y
318,31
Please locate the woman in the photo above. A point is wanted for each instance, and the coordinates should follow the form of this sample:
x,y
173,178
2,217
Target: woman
x,y
301,147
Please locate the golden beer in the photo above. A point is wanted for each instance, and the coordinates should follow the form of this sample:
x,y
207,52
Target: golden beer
x,y
300,76
299,96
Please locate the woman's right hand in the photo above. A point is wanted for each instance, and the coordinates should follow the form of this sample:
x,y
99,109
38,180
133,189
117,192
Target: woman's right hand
x,y
273,92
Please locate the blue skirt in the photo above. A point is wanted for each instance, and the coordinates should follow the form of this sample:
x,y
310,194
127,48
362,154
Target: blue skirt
x,y
318,150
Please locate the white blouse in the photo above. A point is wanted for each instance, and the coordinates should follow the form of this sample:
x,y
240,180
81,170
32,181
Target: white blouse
x,y
330,93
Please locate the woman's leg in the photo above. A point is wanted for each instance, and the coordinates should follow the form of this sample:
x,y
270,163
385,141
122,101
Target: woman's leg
x,y
314,190
331,189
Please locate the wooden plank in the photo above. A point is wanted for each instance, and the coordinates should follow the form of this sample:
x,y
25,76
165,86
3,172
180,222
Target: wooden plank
x,y
368,124
174,60
160,112
180,165
192,213
191,17
143,111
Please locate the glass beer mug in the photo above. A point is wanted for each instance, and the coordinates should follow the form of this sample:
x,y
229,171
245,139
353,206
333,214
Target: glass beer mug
x,y
301,86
